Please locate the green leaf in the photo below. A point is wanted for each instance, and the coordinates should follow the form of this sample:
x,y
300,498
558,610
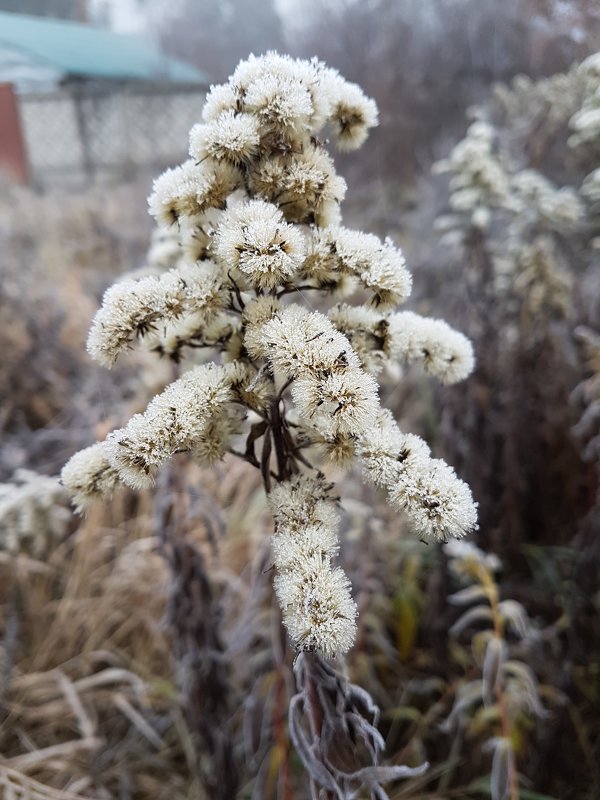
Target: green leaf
x,y
479,786
405,623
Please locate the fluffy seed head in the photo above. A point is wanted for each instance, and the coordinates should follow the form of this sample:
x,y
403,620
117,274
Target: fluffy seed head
x,y
367,331
256,314
300,342
439,349
312,189
352,114
343,403
318,610
191,190
218,433
137,450
131,309
276,100
303,501
293,549
254,238
221,97
438,504
230,137
88,476
174,420
385,451
379,266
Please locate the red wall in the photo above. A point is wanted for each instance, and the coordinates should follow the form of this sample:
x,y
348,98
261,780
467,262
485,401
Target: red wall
x,y
13,158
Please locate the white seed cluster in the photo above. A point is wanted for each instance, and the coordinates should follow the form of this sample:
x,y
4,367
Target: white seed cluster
x,y
318,609
585,123
133,308
381,339
252,218
341,258
89,476
191,414
254,238
440,350
479,175
34,515
437,503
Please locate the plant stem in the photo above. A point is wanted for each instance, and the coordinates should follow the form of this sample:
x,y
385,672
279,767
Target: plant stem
x,y
492,593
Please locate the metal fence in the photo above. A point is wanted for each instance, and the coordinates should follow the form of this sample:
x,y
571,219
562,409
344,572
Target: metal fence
x,y
84,134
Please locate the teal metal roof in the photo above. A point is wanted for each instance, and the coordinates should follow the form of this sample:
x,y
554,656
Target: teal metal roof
x,y
83,51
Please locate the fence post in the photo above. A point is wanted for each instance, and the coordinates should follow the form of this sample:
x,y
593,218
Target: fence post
x,y
83,131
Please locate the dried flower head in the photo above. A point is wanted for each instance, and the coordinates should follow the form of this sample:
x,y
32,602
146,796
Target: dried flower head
x,y
230,137
33,514
256,214
352,114
192,189
318,609
440,350
89,476
254,238
131,309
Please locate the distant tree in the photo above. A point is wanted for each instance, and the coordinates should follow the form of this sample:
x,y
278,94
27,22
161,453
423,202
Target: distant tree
x,y
426,61
215,34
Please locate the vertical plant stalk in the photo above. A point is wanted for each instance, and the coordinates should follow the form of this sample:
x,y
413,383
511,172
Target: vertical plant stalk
x,y
280,706
286,466
498,622
278,442
194,618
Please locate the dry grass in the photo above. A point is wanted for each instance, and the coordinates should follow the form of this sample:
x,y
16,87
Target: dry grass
x,y
90,704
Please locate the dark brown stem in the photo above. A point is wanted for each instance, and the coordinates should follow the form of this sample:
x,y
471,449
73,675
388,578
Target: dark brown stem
x,y
290,289
237,292
251,459
277,427
282,390
265,462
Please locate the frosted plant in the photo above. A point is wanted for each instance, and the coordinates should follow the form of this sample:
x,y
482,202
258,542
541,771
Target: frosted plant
x,y
257,211
528,254
510,221
588,395
485,180
33,513
585,122
263,192
550,101
480,177
507,687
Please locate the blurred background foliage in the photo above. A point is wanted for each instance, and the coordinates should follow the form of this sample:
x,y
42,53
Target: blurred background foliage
x,y
130,639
